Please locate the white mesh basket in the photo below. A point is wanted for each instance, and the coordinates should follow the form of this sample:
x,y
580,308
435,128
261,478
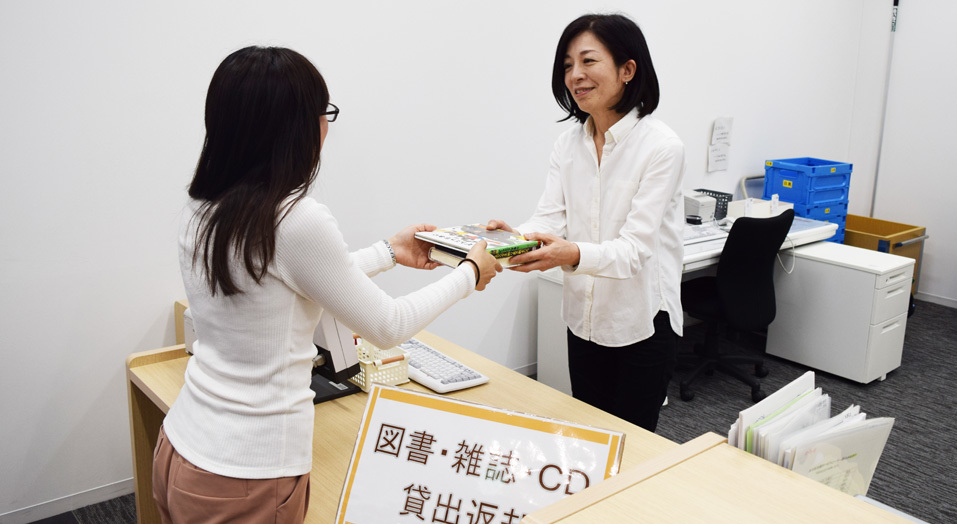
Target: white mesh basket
x,y
385,366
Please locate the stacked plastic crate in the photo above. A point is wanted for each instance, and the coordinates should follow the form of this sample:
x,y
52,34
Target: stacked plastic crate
x,y
818,188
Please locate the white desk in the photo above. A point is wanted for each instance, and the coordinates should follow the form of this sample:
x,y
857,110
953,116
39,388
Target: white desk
x,y
803,231
154,379
707,480
552,342
703,480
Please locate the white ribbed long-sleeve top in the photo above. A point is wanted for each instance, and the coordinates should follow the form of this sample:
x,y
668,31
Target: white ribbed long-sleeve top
x,y
246,408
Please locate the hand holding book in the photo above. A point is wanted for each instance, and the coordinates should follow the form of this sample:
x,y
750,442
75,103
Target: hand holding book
x,y
500,224
410,251
555,251
485,263
451,244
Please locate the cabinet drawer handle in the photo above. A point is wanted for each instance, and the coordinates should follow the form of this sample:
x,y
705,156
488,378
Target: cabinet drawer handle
x,y
890,327
894,292
896,276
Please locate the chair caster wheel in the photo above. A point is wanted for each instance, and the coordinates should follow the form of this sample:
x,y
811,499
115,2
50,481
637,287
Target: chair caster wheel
x,y
760,370
757,395
686,395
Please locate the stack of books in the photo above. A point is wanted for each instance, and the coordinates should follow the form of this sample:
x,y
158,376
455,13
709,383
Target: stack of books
x,y
452,244
793,427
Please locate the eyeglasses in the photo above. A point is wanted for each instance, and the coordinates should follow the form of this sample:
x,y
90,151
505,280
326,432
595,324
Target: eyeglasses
x,y
331,114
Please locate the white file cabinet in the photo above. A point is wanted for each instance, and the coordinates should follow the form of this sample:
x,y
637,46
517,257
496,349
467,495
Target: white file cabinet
x,y
842,310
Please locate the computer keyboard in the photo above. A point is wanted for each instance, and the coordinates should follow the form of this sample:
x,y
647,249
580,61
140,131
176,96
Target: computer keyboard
x,y
438,371
695,233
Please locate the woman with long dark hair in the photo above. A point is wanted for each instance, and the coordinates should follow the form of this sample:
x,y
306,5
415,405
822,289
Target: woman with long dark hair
x,y
261,261
611,217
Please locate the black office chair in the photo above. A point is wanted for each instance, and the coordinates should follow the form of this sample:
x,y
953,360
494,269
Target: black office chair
x,y
740,296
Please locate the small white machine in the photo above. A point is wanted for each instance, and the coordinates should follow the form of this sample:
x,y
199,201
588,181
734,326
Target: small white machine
x,y
697,204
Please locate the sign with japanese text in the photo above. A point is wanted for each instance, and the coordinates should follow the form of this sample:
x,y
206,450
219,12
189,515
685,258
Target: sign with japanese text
x,y
427,458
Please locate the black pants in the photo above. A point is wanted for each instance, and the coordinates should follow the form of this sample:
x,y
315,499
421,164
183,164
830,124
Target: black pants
x,y
630,382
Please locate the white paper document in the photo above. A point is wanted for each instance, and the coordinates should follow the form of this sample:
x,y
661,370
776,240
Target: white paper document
x,y
721,133
844,458
720,147
786,449
809,410
718,157
774,401
793,428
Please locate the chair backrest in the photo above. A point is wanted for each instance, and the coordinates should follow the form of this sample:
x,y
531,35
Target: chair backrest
x,y
745,276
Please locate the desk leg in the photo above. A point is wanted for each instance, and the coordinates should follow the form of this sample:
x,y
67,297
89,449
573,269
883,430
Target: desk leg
x,y
145,421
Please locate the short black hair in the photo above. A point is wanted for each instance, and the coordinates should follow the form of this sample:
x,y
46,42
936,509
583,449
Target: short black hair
x,y
626,42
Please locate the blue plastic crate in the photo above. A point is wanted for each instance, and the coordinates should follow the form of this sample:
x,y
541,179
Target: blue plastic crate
x,y
821,211
807,180
838,238
839,234
841,221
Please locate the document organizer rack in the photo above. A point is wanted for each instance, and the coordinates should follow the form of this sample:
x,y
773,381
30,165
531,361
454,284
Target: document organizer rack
x,y
392,370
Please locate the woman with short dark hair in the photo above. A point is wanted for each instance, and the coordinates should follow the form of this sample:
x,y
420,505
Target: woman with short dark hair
x,y
611,217
261,261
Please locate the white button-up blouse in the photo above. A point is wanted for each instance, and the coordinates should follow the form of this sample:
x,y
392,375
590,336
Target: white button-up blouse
x,y
627,217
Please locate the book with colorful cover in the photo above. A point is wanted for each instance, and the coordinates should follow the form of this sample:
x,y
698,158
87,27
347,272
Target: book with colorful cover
x,y
451,258
460,239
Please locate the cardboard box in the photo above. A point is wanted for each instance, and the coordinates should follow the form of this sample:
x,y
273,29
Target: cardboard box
x,y
889,237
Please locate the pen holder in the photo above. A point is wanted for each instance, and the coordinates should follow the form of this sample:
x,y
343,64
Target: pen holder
x,y
383,366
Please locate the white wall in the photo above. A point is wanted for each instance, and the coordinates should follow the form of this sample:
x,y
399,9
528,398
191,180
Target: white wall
x,y
916,182
447,117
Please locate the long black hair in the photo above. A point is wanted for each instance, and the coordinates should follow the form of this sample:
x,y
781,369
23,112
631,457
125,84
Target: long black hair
x,y
625,41
263,111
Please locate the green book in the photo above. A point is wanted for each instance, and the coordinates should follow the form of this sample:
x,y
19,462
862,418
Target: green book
x,y
460,239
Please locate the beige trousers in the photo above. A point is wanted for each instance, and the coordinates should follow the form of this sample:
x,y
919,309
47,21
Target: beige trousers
x,y
186,494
